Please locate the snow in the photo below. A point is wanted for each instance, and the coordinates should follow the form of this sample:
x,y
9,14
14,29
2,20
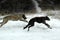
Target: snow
x,y
13,30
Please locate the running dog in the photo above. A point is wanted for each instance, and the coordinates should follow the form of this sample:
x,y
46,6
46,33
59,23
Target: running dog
x,y
20,17
38,20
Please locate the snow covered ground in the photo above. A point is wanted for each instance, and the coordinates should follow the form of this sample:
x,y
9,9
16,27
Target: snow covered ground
x,y
13,30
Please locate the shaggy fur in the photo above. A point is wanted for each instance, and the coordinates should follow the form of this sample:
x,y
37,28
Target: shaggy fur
x,y
39,20
20,17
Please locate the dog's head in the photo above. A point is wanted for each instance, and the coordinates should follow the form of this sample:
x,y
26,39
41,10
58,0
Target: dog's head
x,y
24,16
47,18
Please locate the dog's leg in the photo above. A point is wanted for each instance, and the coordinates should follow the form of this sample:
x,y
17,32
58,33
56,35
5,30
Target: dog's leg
x,y
25,20
47,25
4,21
30,26
26,27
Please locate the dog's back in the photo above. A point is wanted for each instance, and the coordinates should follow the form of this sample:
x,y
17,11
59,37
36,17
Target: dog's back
x,y
13,17
39,19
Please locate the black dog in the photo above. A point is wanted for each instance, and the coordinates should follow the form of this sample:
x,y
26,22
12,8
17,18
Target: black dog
x,y
39,20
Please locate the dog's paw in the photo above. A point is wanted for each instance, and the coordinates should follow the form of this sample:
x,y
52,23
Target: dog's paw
x,y
23,28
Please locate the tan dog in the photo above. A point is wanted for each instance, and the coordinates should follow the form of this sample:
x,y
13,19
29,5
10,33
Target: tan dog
x,y
20,17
